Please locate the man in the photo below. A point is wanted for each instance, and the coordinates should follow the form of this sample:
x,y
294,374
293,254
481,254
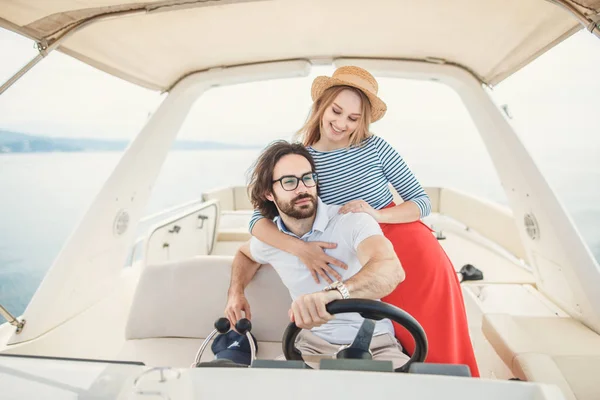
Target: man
x,y
284,183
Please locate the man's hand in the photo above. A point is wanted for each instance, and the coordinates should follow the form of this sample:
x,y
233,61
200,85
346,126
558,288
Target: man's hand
x,y
308,311
236,303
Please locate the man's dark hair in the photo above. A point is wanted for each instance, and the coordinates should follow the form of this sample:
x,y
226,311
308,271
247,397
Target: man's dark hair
x,y
261,179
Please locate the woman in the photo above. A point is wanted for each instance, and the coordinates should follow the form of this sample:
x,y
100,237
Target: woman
x,y
355,168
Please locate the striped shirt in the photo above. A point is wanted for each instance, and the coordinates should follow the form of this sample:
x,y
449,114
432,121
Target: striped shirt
x,y
363,173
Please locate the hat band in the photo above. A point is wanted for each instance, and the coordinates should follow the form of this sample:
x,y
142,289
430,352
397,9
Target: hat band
x,y
357,80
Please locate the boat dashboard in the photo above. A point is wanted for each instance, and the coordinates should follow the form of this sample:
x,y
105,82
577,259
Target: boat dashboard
x,y
62,378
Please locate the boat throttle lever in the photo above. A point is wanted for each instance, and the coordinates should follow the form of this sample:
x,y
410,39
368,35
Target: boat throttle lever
x,y
244,326
222,325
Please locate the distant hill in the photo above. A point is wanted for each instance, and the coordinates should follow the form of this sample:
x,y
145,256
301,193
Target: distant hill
x,y
15,142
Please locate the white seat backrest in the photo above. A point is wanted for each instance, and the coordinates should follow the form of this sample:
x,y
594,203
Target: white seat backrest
x,y
224,195
231,198
184,299
242,201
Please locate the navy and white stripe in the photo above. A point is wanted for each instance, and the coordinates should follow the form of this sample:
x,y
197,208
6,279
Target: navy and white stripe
x,y
363,173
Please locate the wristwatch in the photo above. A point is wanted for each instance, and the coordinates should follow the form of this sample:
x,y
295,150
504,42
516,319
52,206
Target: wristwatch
x,y
340,287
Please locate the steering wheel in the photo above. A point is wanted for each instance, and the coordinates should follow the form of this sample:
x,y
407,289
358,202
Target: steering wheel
x,y
369,309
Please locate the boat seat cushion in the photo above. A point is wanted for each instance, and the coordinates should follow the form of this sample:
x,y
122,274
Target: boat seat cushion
x,y
226,248
554,350
236,220
233,235
183,299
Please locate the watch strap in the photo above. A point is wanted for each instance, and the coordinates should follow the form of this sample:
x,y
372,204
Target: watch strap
x,y
341,288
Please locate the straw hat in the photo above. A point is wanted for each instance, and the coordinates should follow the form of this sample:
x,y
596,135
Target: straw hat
x,y
357,78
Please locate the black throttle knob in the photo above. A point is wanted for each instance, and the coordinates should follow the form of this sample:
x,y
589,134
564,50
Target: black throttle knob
x,y
222,325
243,325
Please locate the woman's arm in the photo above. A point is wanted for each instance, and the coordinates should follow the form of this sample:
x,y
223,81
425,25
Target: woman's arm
x,y
408,211
402,213
310,253
416,201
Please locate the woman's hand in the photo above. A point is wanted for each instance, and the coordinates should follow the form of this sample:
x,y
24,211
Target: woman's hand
x,y
317,261
357,206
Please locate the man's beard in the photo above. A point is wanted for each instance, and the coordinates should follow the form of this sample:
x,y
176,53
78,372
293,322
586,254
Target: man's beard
x,y
306,210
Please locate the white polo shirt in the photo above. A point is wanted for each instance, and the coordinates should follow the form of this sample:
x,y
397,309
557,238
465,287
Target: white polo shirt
x,y
348,231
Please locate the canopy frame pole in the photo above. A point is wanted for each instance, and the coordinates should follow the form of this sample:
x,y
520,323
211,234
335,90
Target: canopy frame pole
x,y
43,50
11,319
45,47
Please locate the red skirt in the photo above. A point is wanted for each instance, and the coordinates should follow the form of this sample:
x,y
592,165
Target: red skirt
x,y
431,293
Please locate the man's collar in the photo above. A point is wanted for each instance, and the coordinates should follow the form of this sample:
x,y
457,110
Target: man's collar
x,y
320,223
322,218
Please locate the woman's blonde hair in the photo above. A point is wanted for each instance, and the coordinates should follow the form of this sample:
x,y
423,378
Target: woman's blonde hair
x,y
310,133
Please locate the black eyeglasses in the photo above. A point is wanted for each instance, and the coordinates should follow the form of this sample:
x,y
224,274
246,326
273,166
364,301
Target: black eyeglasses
x,y
290,182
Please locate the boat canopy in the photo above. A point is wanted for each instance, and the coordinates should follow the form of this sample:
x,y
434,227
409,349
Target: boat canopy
x,y
156,43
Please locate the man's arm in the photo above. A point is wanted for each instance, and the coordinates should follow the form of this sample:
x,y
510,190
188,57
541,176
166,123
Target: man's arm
x,y
379,276
381,271
243,269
